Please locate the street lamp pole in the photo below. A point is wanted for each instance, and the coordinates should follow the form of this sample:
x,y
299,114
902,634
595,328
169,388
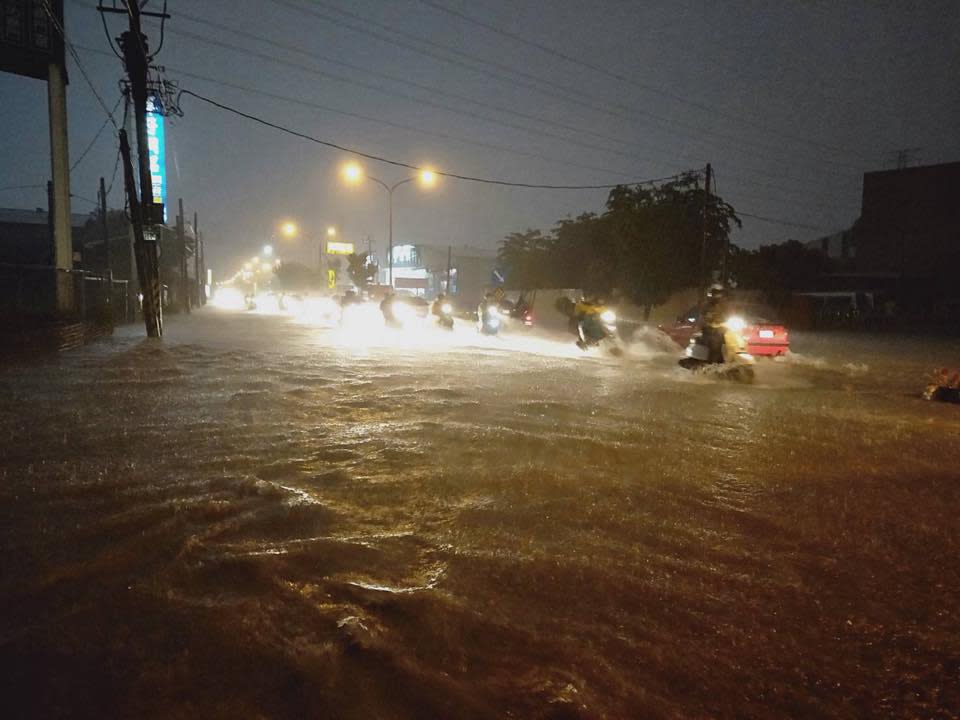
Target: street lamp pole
x,y
389,189
353,172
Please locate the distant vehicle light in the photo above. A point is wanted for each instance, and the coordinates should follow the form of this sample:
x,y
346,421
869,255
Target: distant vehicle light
x,y
608,316
446,308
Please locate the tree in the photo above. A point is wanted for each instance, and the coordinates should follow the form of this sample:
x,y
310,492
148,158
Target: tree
x,y
648,243
361,271
526,258
295,277
778,270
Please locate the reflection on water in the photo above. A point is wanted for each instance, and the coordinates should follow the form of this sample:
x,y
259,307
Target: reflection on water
x,y
257,519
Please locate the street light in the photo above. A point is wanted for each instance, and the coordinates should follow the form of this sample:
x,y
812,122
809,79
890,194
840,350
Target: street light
x,y
289,229
353,173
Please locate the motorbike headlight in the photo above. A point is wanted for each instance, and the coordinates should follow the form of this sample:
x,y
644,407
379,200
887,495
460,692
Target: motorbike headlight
x,y
736,323
446,308
608,316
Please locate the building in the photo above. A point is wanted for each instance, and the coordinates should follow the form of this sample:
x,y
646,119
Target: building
x,y
422,270
910,226
26,237
838,246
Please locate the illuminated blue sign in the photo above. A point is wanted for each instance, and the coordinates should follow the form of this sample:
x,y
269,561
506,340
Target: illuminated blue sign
x,y
157,149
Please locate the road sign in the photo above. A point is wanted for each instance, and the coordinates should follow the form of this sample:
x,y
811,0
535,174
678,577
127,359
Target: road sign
x,y
339,248
499,276
157,152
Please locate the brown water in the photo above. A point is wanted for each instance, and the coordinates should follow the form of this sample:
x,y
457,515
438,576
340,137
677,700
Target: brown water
x,y
255,520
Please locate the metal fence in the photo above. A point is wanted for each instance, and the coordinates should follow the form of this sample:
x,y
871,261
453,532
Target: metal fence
x,y
29,293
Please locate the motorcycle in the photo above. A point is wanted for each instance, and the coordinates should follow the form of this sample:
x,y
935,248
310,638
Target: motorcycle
x,y
596,328
489,319
444,313
721,351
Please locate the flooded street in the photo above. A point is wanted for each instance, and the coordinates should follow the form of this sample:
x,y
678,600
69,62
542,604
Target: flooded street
x,y
258,518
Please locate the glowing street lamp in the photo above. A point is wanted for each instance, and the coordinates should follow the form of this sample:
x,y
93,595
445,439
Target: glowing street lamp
x,y
331,232
289,229
353,173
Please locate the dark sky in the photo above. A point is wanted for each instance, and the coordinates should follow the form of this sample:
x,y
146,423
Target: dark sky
x,y
791,102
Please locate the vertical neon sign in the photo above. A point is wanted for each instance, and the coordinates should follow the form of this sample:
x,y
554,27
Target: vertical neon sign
x,y
157,148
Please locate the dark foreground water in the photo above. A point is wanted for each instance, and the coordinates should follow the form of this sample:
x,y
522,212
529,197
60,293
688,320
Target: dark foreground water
x,y
257,519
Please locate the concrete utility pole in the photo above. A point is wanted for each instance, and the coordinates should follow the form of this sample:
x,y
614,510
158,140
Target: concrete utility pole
x,y
706,232
133,43
146,272
184,287
198,281
106,236
60,172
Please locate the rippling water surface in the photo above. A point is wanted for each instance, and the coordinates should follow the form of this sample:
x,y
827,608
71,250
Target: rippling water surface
x,y
257,519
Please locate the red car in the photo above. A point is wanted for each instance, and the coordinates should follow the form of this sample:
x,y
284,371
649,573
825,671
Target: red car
x,y
763,338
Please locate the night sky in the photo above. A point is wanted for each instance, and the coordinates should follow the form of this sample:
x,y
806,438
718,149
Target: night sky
x,y
790,102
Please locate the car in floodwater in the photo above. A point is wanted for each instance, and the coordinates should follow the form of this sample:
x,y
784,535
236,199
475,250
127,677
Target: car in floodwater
x,y
763,337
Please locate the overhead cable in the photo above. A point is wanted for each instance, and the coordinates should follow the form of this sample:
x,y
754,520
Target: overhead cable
x,y
410,166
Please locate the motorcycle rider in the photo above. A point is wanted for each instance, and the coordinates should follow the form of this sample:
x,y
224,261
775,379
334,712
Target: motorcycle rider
x,y
712,319
437,307
588,306
386,307
444,317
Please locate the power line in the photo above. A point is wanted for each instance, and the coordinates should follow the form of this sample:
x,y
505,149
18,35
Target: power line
x,y
623,78
367,118
775,221
398,163
20,187
538,132
795,181
622,111
86,199
95,138
76,58
385,76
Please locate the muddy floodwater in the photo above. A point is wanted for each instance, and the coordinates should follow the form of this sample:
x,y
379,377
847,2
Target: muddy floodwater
x,y
258,518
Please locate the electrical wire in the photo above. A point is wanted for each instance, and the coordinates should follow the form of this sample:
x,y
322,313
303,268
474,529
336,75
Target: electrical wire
x,y
95,138
362,23
76,59
376,120
632,81
85,199
409,166
775,221
163,23
106,31
796,182
536,132
20,187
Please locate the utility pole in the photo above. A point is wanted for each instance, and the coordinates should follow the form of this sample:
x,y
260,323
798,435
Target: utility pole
x,y
106,236
706,232
60,169
196,261
203,269
133,43
144,251
184,289
449,266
